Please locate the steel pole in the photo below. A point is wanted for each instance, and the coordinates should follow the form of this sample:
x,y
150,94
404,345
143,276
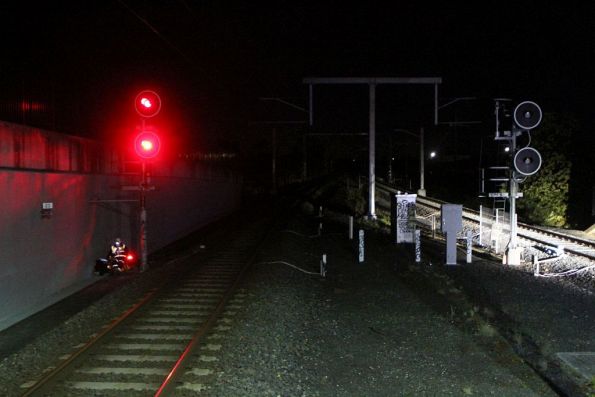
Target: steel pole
x,y
422,163
143,220
513,194
372,154
513,229
512,256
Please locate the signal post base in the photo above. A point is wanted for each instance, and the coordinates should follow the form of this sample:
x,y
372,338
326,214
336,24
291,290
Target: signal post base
x,y
512,257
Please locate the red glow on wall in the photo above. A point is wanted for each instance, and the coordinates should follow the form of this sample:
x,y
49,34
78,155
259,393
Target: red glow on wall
x,y
29,106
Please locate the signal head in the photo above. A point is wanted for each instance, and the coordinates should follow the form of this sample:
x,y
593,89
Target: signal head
x,y
527,115
527,161
147,145
147,103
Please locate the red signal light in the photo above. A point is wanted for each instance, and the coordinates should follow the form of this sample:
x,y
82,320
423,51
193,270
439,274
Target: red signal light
x,y
147,103
147,145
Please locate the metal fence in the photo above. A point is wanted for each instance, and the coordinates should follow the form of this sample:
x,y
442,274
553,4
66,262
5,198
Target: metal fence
x,y
494,229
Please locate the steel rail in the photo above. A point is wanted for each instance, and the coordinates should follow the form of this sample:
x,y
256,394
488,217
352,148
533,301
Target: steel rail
x,y
571,244
168,384
246,252
51,375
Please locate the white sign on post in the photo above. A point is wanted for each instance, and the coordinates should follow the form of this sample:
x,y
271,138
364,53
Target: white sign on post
x,y
469,246
360,255
405,217
417,246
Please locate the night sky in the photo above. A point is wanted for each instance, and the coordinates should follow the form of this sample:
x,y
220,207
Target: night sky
x,y
212,60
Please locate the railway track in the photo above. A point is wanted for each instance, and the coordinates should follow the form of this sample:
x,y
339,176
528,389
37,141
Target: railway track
x,y
164,343
548,239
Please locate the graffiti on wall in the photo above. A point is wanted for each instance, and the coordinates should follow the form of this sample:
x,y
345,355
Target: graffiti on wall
x,y
405,217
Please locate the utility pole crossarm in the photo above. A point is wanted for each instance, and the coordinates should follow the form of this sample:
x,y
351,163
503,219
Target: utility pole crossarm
x,y
372,80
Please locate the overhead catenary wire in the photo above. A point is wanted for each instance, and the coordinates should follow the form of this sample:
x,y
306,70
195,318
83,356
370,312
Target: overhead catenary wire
x,y
158,34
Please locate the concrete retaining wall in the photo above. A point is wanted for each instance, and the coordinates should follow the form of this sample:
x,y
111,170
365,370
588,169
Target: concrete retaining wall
x,y
47,256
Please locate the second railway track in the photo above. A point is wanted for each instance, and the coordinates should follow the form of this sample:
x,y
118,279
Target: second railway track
x,y
161,345
535,235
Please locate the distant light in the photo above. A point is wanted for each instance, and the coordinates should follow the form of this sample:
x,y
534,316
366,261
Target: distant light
x,y
432,154
507,149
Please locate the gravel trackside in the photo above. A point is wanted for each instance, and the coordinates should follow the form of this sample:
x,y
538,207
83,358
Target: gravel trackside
x,y
370,329
387,327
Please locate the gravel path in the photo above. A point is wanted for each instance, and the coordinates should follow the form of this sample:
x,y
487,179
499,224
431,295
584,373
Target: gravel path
x,y
362,331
